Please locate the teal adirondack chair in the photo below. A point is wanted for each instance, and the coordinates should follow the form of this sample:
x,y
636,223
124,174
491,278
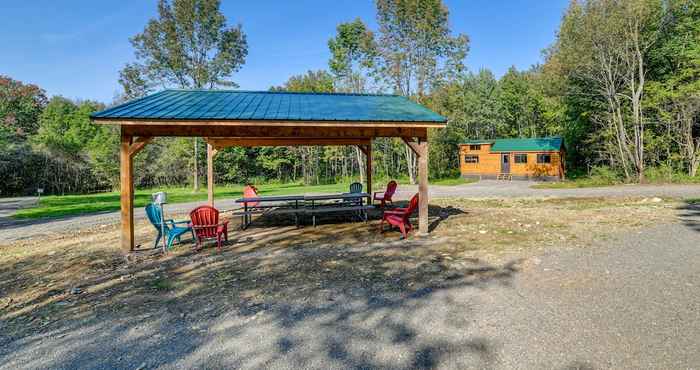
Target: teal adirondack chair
x,y
172,231
356,187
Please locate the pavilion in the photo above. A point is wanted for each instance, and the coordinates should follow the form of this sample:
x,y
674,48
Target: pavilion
x,y
246,118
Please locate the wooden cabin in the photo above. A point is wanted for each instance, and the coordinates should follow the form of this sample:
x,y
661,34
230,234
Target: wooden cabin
x,y
531,158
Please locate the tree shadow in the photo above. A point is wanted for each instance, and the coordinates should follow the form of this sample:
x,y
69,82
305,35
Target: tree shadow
x,y
332,296
690,215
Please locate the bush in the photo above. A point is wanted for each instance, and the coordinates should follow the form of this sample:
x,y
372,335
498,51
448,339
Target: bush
x,y
665,174
604,175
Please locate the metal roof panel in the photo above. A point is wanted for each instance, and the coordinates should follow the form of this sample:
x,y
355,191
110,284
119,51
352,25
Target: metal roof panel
x,y
268,105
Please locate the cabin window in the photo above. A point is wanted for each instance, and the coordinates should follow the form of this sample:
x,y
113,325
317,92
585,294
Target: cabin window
x,y
475,147
471,159
521,158
544,158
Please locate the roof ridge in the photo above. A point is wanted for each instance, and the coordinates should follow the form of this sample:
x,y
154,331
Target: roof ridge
x,y
282,92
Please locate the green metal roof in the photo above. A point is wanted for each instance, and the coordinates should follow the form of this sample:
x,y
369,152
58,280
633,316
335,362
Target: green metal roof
x,y
268,105
535,144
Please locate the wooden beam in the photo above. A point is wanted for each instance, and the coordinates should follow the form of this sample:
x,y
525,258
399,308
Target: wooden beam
x,y
282,141
211,152
126,178
368,172
275,123
362,148
139,144
423,187
275,132
413,145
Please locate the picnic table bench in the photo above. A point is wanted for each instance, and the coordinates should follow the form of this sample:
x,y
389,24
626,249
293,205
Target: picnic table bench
x,y
348,202
289,204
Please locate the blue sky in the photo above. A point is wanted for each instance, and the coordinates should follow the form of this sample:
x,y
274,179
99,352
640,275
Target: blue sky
x,y
76,48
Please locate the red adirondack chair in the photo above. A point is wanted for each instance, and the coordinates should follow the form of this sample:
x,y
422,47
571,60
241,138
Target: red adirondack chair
x,y
250,191
385,196
206,225
399,217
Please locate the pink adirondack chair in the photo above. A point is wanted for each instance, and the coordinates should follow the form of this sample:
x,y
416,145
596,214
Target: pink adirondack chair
x,y
250,191
385,196
206,225
399,217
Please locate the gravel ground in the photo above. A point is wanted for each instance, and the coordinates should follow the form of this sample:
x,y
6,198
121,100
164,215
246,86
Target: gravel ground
x,y
12,230
629,302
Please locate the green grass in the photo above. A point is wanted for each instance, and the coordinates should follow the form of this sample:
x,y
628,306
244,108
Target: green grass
x,y
570,184
605,176
68,205
452,181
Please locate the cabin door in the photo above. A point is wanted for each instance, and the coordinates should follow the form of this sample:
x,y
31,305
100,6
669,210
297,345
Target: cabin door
x,y
505,163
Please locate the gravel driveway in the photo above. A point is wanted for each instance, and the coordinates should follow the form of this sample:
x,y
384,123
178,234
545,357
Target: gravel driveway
x,y
630,302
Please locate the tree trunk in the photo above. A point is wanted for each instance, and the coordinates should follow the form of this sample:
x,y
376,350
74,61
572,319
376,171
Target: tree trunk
x,y
196,167
411,165
360,163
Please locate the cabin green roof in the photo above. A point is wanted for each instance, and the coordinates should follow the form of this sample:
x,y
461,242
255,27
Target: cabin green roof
x,y
535,144
224,105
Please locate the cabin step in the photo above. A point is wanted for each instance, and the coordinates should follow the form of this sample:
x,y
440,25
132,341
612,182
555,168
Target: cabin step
x,y
504,176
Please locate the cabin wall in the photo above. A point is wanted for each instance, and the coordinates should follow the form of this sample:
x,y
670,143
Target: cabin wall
x,y
489,165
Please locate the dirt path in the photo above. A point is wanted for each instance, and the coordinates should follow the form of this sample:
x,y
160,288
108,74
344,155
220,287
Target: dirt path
x,y
627,301
12,229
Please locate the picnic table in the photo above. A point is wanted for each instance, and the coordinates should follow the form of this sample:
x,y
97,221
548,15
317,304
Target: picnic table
x,y
300,205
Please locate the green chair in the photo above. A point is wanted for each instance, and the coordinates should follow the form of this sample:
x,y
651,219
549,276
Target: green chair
x,y
170,228
355,187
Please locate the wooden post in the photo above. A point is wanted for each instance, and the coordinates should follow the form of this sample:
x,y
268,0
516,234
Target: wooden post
x,y
420,148
368,170
423,187
126,178
210,174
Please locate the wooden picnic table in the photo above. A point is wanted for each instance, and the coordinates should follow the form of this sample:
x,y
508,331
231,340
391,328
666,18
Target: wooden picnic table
x,y
303,204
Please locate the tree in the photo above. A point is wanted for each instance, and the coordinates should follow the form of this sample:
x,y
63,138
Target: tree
x,y
309,156
470,103
312,81
353,57
416,50
20,106
189,45
605,44
65,127
675,89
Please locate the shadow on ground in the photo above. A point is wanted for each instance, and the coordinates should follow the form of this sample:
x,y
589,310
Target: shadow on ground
x,y
690,215
338,295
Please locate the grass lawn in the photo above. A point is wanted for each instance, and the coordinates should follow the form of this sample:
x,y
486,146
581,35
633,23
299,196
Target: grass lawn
x,y
452,182
65,205
571,184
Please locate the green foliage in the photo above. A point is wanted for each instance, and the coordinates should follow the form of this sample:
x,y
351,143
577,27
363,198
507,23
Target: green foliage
x,y
65,127
415,46
20,106
189,45
414,53
353,56
312,81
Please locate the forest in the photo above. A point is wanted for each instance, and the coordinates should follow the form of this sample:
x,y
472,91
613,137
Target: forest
x,y
620,83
